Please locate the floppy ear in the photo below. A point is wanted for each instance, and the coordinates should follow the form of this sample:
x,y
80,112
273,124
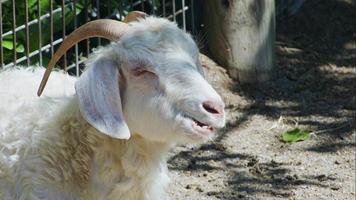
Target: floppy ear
x,y
99,98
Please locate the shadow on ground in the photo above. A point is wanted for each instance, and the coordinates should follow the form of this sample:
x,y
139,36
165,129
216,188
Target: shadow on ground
x,y
316,58
247,175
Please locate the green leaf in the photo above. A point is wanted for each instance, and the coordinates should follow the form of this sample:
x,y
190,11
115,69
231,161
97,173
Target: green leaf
x,y
20,48
295,135
57,26
7,44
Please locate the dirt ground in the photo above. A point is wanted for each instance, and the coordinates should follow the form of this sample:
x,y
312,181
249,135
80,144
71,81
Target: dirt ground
x,y
314,90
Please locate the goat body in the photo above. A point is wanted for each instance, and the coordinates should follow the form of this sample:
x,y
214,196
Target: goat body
x,y
106,134
47,149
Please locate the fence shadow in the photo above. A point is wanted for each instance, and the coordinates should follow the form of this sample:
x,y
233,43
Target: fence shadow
x,y
316,60
316,85
248,176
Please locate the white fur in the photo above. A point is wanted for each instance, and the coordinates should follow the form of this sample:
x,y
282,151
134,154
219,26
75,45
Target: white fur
x,y
59,147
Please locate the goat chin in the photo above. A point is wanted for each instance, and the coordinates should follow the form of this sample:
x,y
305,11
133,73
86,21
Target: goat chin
x,y
63,157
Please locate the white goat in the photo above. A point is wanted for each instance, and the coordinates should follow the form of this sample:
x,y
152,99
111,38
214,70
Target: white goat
x,y
108,138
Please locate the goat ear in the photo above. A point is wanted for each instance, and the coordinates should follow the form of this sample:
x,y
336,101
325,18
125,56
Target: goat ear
x,y
99,98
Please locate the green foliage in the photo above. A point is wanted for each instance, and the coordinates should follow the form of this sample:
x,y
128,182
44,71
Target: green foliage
x,y
295,135
8,44
33,29
108,9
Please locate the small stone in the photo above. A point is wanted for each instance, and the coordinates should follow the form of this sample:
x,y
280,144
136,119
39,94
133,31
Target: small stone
x,y
274,163
289,178
332,177
199,189
242,194
213,164
211,193
337,162
188,187
313,135
258,169
252,162
335,187
322,177
220,147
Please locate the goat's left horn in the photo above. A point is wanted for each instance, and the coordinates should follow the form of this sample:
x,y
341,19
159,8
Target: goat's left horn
x,y
105,28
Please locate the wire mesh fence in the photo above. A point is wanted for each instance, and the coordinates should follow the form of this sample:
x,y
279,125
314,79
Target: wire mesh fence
x,y
31,30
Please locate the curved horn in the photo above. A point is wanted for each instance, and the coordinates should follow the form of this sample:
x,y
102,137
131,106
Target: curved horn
x,y
105,28
134,16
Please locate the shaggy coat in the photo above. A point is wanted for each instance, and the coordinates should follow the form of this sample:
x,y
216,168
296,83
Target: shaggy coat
x,y
66,144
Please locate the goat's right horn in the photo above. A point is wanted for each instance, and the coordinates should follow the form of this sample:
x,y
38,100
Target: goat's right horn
x,y
134,16
105,28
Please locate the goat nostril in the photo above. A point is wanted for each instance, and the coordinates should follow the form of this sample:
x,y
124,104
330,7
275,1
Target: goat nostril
x,y
213,108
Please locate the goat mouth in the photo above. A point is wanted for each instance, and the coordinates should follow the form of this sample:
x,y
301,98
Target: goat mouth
x,y
200,126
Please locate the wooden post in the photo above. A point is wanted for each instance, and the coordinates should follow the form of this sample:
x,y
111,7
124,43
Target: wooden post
x,y
240,37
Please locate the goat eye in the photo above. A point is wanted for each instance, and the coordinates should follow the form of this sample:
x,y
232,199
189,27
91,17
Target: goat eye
x,y
141,71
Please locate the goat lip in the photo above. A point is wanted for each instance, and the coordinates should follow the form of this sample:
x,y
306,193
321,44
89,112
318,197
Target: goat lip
x,y
205,130
201,127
